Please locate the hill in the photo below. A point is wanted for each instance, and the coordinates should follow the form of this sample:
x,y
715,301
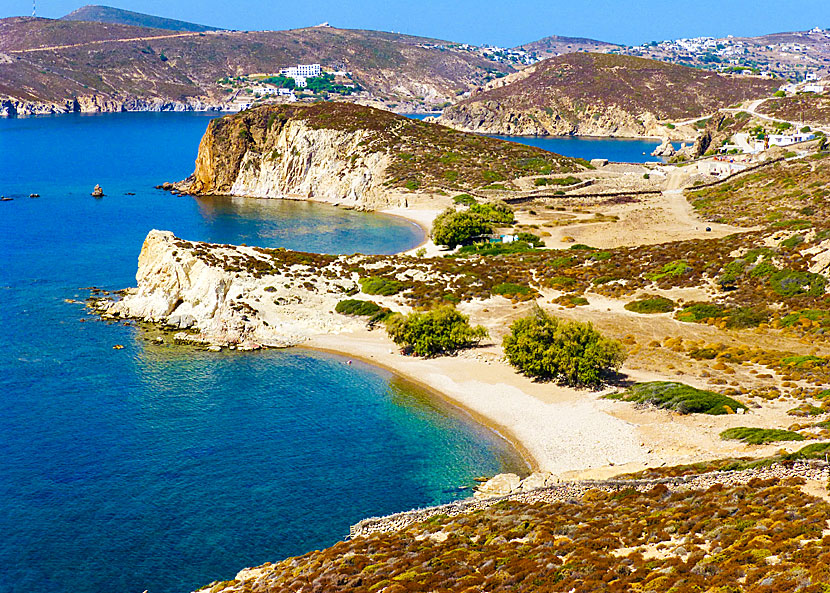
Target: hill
x,y
557,45
118,16
599,94
54,65
353,155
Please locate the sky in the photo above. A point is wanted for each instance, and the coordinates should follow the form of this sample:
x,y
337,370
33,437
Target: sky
x,y
497,22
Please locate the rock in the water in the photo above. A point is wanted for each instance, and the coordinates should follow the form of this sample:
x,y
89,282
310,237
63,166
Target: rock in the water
x,y
665,149
98,192
499,485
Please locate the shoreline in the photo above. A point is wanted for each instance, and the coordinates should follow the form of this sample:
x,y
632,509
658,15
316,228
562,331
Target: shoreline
x,y
501,431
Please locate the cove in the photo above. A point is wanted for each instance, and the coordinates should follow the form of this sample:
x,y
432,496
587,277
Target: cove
x,y
162,467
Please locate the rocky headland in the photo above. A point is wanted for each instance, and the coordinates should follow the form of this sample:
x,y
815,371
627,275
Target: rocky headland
x,y
354,156
588,94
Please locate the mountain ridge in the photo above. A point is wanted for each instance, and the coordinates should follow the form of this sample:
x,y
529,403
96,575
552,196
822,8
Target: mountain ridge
x,y
118,16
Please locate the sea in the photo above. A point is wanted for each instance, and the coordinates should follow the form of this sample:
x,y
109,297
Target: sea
x,y
621,150
161,467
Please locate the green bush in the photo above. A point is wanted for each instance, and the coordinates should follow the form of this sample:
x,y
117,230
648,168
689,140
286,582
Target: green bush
x,y
744,317
788,283
670,270
381,286
779,94
680,398
494,211
453,228
531,239
508,289
357,307
563,181
697,312
465,199
494,248
545,347
440,331
760,436
651,305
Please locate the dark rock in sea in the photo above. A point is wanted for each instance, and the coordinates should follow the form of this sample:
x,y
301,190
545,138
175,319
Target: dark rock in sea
x,y
98,192
34,195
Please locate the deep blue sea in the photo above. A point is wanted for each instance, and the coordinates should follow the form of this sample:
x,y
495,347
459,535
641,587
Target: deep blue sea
x,y
617,150
162,467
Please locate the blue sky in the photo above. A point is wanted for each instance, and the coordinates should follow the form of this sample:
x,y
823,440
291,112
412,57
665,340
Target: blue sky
x,y
500,22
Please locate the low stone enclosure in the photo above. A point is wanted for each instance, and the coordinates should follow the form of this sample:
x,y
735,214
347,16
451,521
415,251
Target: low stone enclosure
x,y
574,490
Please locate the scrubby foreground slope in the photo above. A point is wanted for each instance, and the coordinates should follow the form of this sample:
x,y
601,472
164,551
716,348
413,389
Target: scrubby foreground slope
x,y
763,535
350,154
601,95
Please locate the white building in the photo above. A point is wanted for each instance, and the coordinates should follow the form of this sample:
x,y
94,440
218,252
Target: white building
x,y
813,88
811,76
302,70
788,139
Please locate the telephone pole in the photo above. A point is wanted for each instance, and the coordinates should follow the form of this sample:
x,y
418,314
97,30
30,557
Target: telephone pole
x,y
34,9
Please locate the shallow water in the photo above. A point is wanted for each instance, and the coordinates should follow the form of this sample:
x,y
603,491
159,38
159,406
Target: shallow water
x,y
619,150
161,467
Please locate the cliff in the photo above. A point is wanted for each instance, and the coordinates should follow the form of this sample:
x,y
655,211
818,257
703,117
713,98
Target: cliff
x,y
352,155
246,297
591,94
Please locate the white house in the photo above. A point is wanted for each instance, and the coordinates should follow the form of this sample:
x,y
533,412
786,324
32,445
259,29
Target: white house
x,y
811,76
788,139
813,88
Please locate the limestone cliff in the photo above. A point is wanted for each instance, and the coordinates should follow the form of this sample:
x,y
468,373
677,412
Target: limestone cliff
x,y
225,295
352,155
11,107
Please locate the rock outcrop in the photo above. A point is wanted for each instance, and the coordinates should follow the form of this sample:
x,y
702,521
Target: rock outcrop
x,y
665,149
352,155
232,296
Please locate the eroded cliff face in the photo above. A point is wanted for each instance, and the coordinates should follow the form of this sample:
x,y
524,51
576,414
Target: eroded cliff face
x,y
265,157
10,107
232,296
492,117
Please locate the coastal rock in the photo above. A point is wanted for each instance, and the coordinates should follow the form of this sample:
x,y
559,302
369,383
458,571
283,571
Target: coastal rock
x,y
269,155
536,480
499,485
10,107
203,290
665,149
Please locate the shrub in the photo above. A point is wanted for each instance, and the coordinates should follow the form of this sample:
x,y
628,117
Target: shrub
x,y
779,94
651,305
670,270
698,312
465,199
744,317
381,286
788,283
680,398
495,211
531,239
453,228
545,347
510,290
357,307
442,330
760,436
494,248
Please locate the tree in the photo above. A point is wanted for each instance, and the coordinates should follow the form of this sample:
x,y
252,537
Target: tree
x,y
453,228
495,211
574,353
442,330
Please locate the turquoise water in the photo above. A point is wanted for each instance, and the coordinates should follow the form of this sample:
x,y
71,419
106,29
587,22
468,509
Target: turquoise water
x,y
161,467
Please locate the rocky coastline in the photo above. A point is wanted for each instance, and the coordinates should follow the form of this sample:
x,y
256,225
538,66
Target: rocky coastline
x,y
10,107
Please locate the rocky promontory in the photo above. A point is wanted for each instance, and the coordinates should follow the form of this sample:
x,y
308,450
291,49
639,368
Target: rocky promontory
x,y
588,94
352,155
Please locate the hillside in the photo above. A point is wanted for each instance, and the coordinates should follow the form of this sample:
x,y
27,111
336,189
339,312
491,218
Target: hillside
x,y
45,65
764,535
808,108
118,16
352,154
557,45
599,94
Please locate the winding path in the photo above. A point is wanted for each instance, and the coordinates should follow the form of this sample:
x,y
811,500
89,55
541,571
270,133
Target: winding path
x,y
102,41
